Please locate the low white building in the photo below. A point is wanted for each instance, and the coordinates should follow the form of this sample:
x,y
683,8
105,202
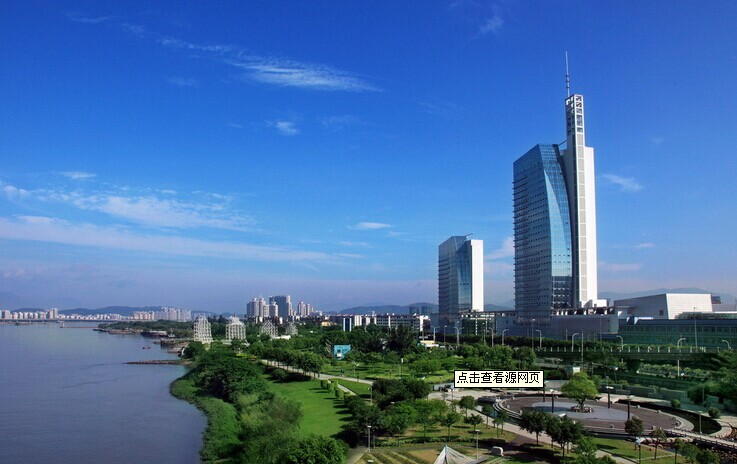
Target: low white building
x,y
664,305
235,329
202,332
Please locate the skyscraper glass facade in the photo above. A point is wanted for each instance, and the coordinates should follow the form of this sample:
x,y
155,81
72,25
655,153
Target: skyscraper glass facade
x,y
460,276
543,265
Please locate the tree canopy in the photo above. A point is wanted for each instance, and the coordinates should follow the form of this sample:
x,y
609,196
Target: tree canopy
x,y
580,388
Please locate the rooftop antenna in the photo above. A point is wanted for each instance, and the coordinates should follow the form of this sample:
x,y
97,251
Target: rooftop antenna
x,y
568,77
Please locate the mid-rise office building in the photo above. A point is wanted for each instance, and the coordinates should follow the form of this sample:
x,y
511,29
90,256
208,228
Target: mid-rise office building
x,y
460,277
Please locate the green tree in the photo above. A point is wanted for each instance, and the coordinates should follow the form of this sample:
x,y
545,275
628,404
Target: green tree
x,y
658,435
580,388
448,420
634,426
563,431
488,411
317,449
500,419
467,402
687,450
526,357
402,339
706,456
473,419
194,349
399,418
429,412
534,421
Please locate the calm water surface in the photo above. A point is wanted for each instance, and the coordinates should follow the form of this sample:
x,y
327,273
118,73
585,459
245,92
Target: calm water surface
x,y
67,396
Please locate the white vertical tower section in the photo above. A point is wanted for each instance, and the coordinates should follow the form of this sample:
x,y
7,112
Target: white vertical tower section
x,y
578,161
477,275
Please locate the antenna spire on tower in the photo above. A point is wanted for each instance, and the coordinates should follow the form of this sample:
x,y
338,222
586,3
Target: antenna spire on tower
x,y
568,77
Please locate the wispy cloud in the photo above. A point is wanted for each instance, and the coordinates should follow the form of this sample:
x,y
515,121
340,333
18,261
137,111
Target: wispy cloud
x,y
78,175
52,230
285,127
182,81
235,125
493,24
625,184
14,193
353,244
640,246
153,208
79,18
505,251
339,122
370,226
278,71
290,73
619,267
134,29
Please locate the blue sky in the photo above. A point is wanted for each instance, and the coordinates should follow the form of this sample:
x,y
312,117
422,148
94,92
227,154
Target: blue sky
x,y
202,153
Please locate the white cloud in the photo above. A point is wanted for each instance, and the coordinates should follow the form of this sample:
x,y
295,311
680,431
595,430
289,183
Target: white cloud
x,y
153,211
370,226
52,230
14,192
134,29
339,122
289,73
148,207
182,81
619,267
625,184
645,245
278,71
285,127
505,251
353,244
78,18
78,175
493,25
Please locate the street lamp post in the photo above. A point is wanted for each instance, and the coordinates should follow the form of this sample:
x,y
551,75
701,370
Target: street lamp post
x,y
609,396
503,332
621,343
433,333
552,404
444,332
572,338
369,438
541,339
678,359
629,398
729,347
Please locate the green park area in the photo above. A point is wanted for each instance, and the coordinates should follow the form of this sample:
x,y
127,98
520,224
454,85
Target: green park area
x,y
322,412
286,411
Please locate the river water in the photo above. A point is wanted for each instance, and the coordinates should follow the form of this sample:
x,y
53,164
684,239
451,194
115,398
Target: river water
x,y
67,396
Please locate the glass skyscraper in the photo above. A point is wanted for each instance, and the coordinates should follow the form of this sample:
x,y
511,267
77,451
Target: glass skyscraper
x,y
460,277
543,272
555,224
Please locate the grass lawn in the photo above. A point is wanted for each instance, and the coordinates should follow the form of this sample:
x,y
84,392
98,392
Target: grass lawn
x,y
361,389
628,449
322,413
381,371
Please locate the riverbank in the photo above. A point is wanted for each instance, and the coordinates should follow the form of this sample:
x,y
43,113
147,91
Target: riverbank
x,y
220,437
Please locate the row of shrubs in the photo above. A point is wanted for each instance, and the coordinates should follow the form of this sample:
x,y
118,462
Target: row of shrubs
x,y
332,387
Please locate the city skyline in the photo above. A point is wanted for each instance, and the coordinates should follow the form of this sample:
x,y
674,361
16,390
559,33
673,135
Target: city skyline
x,y
199,156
